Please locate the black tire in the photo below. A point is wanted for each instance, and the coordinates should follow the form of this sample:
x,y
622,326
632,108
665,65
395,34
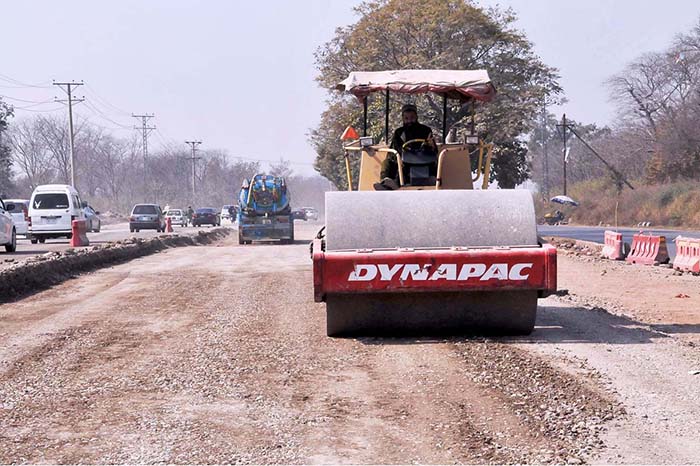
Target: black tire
x,y
12,245
240,238
43,240
131,230
33,240
430,314
137,230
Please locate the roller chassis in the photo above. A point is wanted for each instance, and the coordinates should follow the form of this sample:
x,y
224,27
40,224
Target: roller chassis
x,y
457,261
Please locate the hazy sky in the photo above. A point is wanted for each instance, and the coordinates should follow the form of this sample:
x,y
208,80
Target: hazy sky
x,y
239,75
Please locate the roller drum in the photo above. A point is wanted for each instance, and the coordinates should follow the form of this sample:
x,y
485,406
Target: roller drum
x,y
429,218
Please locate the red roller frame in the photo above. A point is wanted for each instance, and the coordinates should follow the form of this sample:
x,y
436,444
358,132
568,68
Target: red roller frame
x,y
426,270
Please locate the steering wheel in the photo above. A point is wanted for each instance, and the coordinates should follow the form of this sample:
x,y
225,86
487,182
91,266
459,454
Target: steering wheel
x,y
413,141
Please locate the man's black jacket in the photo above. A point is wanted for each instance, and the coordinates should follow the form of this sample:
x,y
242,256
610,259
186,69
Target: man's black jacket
x,y
408,133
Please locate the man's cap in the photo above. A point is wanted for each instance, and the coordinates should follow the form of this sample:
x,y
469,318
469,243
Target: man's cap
x,y
409,108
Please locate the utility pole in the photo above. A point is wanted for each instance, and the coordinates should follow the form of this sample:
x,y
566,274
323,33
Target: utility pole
x,y
619,178
564,127
545,157
194,159
67,87
146,130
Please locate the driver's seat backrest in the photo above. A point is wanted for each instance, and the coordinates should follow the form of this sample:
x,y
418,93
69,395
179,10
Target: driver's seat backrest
x,y
454,168
371,168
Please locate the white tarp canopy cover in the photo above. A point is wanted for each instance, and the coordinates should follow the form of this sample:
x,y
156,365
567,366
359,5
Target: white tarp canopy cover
x,y
456,84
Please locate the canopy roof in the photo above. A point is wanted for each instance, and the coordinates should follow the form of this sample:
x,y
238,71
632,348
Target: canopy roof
x,y
456,84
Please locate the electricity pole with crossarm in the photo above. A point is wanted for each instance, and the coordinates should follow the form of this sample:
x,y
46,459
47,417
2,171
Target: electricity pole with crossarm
x,y
194,159
68,89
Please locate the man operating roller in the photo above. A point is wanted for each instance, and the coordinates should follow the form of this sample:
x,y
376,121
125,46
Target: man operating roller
x,y
411,130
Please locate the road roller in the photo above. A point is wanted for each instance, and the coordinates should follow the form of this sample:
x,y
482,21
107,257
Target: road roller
x,y
434,255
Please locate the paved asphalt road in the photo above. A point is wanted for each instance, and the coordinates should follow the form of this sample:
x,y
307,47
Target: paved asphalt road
x,y
596,234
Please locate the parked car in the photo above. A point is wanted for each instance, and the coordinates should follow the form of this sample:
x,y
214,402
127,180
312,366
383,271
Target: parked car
x,y
52,209
146,217
177,217
226,213
8,234
92,217
206,216
19,208
311,213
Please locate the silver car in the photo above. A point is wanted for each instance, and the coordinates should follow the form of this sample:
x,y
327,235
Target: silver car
x,y
146,217
19,209
8,234
92,218
177,217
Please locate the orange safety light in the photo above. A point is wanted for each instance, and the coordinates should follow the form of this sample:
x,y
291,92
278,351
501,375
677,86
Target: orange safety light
x,y
349,134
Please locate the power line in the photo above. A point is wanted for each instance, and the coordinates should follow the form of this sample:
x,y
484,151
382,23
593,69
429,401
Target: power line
x,y
166,141
97,112
19,84
26,101
69,91
29,109
105,102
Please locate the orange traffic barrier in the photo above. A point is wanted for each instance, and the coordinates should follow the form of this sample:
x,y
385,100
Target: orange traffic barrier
x,y
613,248
687,255
168,225
648,250
79,234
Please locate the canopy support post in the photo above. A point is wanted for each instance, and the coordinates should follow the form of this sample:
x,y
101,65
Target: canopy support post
x,y
473,112
386,118
364,116
444,118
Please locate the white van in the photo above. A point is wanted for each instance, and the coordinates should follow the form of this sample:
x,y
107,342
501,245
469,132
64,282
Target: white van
x,y
52,209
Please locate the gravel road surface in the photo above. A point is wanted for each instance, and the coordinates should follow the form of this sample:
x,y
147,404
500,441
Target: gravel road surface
x,y
218,354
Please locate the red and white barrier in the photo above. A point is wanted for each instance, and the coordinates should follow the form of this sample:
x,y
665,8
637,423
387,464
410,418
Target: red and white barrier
x,y
648,250
687,255
614,248
79,234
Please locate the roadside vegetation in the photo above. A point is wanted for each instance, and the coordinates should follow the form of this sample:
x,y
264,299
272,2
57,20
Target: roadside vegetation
x,y
113,175
654,143
674,204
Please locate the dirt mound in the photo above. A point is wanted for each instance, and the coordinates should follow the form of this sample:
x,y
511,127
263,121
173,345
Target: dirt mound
x,y
41,272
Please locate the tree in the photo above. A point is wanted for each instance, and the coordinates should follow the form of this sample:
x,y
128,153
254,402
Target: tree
x,y
6,184
510,165
30,153
54,131
282,168
658,99
440,34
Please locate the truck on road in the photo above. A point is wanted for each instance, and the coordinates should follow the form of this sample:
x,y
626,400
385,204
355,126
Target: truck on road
x,y
264,212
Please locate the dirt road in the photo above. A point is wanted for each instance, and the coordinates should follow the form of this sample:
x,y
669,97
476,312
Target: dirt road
x,y
218,354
